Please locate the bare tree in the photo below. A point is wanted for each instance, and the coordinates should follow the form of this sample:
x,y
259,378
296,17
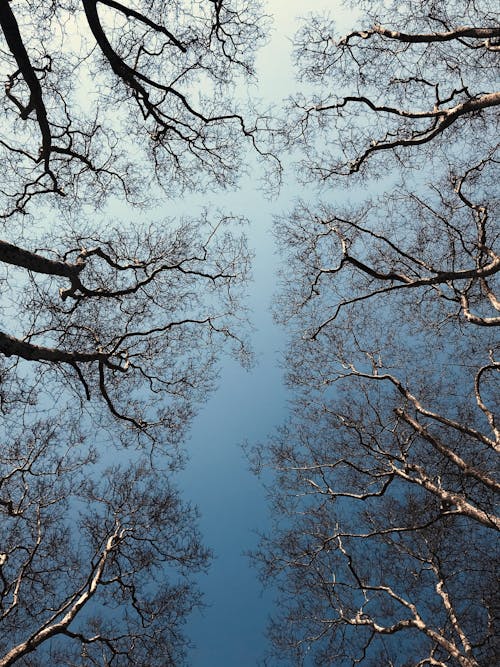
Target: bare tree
x,y
386,486
423,83
142,79
359,586
97,562
131,319
439,243
430,222
385,537
111,329
102,99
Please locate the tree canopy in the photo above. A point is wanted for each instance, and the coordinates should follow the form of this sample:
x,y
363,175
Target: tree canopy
x,y
105,99
115,312
112,323
94,85
97,559
385,491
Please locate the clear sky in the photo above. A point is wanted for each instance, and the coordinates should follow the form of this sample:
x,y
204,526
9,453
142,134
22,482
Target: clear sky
x,y
247,406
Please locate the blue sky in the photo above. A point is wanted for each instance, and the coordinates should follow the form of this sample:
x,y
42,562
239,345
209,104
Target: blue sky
x,y
247,406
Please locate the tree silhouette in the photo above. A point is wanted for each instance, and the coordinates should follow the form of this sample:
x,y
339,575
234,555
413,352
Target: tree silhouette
x,y
143,80
111,328
121,317
104,99
96,560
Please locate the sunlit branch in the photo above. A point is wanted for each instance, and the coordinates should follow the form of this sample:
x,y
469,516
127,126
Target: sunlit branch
x,y
442,119
417,38
70,610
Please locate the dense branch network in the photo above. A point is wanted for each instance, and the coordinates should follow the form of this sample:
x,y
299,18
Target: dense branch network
x,y
446,75
143,61
384,487
75,543
348,258
374,496
121,321
111,331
